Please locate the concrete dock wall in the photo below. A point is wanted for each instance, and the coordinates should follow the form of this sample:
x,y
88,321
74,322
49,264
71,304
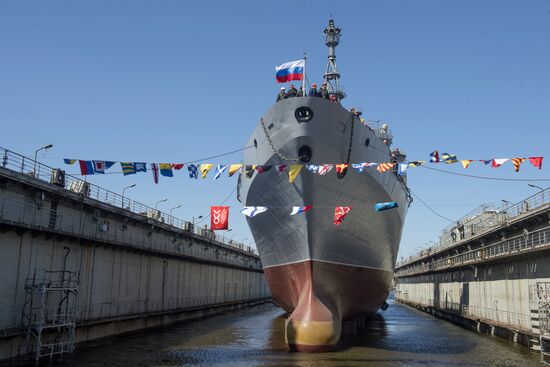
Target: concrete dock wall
x,y
495,278
135,271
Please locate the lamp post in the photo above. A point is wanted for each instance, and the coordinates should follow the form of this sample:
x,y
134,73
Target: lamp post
x,y
193,220
158,202
535,186
45,147
124,189
172,209
171,216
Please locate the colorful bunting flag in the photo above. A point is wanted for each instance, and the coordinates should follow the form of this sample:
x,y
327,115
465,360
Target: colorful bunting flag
x,y
312,167
324,169
69,161
294,171
359,167
249,170
128,168
536,161
109,164
434,156
166,169
86,167
517,162
140,166
486,161
383,167
204,168
193,170
177,166
466,162
379,207
219,217
300,209
341,169
99,167
448,158
220,168
340,213
281,168
264,168
402,168
497,162
155,169
416,163
234,168
372,164
251,211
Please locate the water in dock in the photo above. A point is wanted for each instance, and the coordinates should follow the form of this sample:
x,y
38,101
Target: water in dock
x,y
255,337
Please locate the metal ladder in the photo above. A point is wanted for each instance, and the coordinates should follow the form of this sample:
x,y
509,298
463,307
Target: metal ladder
x,y
49,313
543,296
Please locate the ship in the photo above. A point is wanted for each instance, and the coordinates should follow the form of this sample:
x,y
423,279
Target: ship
x,y
322,274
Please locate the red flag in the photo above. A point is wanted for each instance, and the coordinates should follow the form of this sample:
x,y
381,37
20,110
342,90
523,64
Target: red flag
x,y
341,168
177,166
340,213
219,217
536,161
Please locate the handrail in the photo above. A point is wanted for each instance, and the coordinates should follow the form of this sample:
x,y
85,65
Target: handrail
x,y
532,240
500,217
24,165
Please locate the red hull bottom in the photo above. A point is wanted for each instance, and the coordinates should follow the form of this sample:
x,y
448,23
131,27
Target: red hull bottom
x,y
319,295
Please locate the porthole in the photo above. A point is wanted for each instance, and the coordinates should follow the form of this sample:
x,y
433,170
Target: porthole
x,y
367,142
255,144
304,153
303,114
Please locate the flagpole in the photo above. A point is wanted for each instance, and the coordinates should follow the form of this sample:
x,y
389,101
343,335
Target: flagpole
x,y
304,92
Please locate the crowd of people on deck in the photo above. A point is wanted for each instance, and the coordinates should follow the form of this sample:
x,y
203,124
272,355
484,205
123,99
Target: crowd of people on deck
x,y
313,92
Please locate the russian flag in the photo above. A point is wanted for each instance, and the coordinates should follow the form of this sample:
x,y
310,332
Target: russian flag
x,y
293,70
300,209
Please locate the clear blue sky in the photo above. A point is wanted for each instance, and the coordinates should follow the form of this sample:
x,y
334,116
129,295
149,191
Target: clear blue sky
x,y
169,81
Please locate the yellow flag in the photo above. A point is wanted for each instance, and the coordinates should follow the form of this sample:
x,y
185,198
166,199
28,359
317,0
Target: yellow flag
x,y
234,168
466,162
204,168
294,171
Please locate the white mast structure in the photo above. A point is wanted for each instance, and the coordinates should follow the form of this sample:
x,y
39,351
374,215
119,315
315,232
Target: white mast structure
x,y
332,38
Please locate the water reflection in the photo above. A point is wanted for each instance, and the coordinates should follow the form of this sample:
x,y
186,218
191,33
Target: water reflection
x,y
255,337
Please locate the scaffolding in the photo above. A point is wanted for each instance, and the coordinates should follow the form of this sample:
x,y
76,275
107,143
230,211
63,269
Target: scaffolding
x,y
49,313
543,296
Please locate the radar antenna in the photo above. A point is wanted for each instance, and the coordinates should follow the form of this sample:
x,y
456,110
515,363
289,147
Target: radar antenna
x,y
332,38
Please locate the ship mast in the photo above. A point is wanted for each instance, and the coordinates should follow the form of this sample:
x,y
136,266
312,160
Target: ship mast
x,y
332,38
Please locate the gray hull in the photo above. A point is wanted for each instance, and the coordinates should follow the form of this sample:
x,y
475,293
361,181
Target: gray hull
x,y
365,238
318,272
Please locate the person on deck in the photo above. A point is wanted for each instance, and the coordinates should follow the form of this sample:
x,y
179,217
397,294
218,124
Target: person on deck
x,y
313,92
281,95
324,91
300,92
292,92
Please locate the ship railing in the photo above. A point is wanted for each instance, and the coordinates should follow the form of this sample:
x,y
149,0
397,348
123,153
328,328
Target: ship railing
x,y
24,165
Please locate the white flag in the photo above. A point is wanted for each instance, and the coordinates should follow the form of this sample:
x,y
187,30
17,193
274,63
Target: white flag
x,y
251,211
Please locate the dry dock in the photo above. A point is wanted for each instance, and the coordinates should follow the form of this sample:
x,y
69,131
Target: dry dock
x,y
80,262
490,272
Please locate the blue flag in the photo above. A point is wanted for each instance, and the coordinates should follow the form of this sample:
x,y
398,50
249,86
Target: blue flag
x,y
379,207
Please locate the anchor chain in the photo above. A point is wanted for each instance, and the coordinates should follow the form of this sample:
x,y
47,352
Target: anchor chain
x,y
350,138
279,154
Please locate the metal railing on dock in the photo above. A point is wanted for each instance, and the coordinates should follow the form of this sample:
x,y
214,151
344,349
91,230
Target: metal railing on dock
x,y
533,240
480,221
27,166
